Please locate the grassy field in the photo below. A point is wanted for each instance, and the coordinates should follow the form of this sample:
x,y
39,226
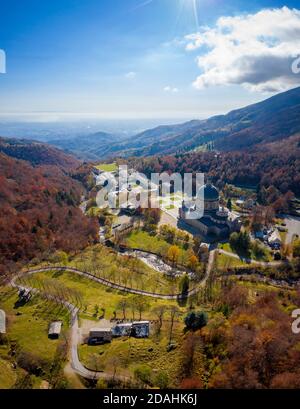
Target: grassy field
x,y
130,353
122,269
36,315
268,252
226,247
143,240
107,167
224,261
94,293
8,375
27,332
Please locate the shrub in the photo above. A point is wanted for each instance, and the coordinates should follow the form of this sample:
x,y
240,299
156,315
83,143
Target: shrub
x,y
196,320
184,284
161,380
142,373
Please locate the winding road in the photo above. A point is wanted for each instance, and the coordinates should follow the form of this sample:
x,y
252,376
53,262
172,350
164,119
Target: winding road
x,y
76,365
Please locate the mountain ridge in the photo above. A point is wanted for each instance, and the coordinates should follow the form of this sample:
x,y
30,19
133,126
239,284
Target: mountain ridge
x,y
37,153
275,118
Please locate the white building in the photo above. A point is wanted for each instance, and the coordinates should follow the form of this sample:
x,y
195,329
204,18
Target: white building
x,y
54,329
275,240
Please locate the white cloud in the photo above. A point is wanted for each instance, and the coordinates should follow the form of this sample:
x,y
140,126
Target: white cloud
x,y
130,75
174,90
254,50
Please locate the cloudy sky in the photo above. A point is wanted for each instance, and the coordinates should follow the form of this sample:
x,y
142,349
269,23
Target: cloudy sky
x,y
144,58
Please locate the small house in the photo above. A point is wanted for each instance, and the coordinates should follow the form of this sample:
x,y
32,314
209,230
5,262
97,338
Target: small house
x,y
54,330
140,329
275,240
240,203
122,330
100,336
2,322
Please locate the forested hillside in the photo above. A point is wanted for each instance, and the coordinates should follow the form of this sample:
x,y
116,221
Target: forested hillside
x,y
36,153
274,164
39,213
274,119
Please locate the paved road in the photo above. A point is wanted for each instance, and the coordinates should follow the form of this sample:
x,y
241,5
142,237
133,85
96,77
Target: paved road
x,y
209,267
76,365
106,282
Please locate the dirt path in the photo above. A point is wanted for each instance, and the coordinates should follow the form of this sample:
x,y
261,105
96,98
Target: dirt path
x,y
108,283
251,261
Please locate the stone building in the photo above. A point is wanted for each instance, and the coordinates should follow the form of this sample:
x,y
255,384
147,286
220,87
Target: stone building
x,y
207,218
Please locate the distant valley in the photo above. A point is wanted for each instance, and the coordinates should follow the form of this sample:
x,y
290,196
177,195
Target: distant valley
x,y
274,119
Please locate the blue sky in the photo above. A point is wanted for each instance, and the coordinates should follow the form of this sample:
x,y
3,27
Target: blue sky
x,y
127,58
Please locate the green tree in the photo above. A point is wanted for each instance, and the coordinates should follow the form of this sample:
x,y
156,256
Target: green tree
x,y
173,254
258,250
184,284
240,242
196,320
296,248
122,305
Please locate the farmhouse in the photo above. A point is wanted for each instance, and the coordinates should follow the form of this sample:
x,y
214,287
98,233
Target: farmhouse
x,y
140,329
122,330
54,329
2,322
100,335
275,240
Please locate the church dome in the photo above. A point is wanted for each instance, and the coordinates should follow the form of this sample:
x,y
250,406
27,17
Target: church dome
x,y
208,192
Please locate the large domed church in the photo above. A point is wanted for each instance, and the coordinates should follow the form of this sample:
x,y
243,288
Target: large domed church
x,y
206,216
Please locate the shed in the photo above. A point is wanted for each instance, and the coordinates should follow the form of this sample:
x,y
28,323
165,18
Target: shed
x,y
140,329
275,239
122,330
239,202
100,335
54,329
2,322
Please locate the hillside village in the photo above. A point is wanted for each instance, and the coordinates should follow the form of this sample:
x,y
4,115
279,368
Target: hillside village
x,y
151,277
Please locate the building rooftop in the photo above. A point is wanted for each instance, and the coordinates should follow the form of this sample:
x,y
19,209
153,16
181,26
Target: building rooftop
x,y
208,192
55,328
100,330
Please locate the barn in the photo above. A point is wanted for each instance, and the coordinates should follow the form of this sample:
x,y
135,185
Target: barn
x,y
100,336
